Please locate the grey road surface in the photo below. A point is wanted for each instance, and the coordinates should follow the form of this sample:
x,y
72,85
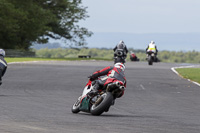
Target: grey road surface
x,y
37,98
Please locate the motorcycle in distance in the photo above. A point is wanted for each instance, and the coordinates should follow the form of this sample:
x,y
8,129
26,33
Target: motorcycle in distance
x,y
99,102
119,56
133,57
151,57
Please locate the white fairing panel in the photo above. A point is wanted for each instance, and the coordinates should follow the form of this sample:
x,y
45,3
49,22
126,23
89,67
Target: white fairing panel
x,y
86,90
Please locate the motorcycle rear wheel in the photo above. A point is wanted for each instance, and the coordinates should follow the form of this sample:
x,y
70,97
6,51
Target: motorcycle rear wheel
x,y
102,104
150,60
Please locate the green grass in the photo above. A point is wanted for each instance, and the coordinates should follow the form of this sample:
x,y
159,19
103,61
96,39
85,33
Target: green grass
x,y
190,73
19,59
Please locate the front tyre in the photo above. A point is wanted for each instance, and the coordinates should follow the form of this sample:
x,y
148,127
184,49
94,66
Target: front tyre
x,y
102,104
75,107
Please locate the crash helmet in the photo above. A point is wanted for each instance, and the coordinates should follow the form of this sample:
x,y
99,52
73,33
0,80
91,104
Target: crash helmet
x,y
120,65
152,42
121,45
2,52
121,42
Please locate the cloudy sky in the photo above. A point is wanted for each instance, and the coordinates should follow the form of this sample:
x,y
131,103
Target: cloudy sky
x,y
143,16
172,24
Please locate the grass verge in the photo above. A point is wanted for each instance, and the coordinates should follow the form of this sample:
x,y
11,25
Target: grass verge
x,y
190,73
19,59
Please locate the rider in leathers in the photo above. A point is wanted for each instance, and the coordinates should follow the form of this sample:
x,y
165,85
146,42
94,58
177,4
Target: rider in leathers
x,y
114,74
3,64
120,52
121,45
152,48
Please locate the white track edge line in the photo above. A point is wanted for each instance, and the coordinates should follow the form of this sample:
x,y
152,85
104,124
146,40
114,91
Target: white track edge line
x,y
174,70
23,62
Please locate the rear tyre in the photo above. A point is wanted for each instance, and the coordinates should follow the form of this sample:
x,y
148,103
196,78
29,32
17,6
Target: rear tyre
x,y
102,104
150,60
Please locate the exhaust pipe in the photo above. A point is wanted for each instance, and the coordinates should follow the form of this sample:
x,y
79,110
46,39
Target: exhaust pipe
x,y
114,85
122,87
117,84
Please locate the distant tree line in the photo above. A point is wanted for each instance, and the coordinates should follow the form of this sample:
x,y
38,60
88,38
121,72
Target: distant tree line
x,y
164,56
180,57
23,22
73,53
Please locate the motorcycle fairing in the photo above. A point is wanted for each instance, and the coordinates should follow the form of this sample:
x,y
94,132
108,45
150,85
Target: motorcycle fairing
x,y
85,101
87,88
85,104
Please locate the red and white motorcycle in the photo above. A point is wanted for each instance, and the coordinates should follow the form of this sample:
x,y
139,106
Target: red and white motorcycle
x,y
100,102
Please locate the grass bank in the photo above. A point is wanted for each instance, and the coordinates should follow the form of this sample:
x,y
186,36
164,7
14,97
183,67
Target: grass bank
x,y
190,73
18,59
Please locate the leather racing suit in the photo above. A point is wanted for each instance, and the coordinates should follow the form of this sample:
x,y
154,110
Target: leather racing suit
x,y
3,67
113,74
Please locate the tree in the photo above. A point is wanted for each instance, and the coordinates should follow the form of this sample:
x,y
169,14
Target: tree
x,y
26,21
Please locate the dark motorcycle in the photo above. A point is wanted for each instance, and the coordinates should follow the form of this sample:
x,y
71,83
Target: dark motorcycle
x,y
151,57
119,56
100,102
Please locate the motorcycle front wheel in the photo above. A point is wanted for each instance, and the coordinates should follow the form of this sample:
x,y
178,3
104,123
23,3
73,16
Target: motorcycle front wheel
x,y
76,105
102,104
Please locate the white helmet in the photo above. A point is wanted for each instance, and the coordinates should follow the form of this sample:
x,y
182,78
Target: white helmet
x,y
120,65
2,52
152,42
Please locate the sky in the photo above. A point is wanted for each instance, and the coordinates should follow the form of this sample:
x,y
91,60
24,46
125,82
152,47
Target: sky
x,y
143,16
139,18
173,24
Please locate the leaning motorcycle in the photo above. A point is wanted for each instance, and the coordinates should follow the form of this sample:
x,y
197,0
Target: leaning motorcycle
x,y
99,102
151,57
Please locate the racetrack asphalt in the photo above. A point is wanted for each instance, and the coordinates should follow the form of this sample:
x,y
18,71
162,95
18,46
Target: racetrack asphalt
x,y
36,97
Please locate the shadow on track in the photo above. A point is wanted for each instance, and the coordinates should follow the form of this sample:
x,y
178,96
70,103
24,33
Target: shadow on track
x,y
119,115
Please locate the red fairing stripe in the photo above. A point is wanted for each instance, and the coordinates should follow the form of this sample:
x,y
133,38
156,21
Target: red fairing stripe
x,y
119,82
109,80
89,83
112,80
